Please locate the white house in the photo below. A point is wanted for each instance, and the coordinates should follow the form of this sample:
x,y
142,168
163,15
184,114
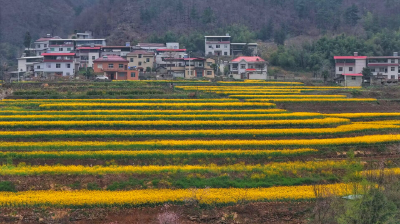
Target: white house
x,y
382,66
163,54
41,45
59,64
218,45
249,68
87,55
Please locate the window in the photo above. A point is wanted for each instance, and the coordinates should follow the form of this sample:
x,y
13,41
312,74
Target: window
x,y
133,74
51,49
381,69
58,65
392,61
392,69
209,72
340,69
226,46
140,56
209,46
99,65
180,64
110,65
200,64
140,63
120,66
350,69
217,46
38,67
93,57
38,46
69,49
353,78
68,65
209,64
242,66
131,59
60,49
393,77
251,66
45,45
225,53
147,59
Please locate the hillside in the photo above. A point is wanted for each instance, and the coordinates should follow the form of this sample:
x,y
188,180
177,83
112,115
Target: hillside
x,y
187,21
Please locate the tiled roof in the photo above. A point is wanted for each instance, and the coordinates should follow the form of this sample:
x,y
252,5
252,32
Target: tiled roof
x,y
350,57
111,58
133,53
248,59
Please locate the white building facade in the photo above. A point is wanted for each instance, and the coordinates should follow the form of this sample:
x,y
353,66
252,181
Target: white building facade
x,y
249,68
58,64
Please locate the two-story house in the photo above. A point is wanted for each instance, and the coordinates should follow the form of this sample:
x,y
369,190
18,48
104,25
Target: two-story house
x,y
115,68
191,68
26,65
163,54
58,64
141,60
387,66
41,45
249,68
218,45
87,55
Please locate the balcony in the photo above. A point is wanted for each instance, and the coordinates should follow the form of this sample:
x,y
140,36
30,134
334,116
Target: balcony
x,y
114,69
55,60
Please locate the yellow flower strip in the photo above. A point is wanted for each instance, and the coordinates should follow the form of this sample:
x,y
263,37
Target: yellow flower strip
x,y
386,171
140,112
351,128
153,105
297,115
285,83
156,153
115,100
368,139
174,123
313,100
288,96
268,169
253,92
364,115
86,198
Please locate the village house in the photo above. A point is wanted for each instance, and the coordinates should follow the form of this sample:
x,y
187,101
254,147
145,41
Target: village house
x,y
222,46
121,51
348,69
150,46
252,67
87,55
115,68
57,64
141,60
191,68
163,54
41,45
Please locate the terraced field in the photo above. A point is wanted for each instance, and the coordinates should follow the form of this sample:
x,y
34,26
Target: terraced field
x,y
231,145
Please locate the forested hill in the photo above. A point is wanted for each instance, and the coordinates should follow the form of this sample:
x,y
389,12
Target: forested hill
x,y
187,21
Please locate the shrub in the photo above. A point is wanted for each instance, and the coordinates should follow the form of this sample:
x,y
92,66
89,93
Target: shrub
x,y
7,186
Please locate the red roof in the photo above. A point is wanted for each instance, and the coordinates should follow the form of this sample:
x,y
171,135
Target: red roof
x,y
251,69
172,50
88,48
194,59
248,59
350,57
111,58
47,38
58,54
353,74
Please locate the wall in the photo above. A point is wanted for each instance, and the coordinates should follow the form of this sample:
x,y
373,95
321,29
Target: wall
x,y
349,82
258,76
22,65
63,68
96,56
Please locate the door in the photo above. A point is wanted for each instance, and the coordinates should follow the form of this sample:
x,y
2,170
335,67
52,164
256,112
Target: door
x,y
112,76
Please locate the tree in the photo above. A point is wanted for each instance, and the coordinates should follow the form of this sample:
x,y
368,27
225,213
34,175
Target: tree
x,y
193,14
208,15
266,31
351,15
280,36
247,51
27,40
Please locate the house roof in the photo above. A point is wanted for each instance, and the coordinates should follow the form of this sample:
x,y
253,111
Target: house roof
x,y
133,53
194,59
350,57
58,54
383,57
111,58
172,50
248,59
47,38
150,45
115,47
353,74
88,48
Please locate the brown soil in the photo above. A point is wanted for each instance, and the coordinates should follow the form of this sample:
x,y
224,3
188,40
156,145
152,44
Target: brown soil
x,y
264,212
356,107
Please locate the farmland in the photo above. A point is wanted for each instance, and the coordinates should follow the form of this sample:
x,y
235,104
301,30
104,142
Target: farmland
x,y
141,145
